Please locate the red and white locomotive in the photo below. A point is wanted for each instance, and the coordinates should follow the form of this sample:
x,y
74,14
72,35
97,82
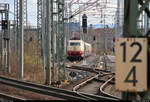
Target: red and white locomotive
x,y
75,49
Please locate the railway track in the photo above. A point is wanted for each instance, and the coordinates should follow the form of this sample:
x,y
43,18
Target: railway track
x,y
108,60
49,91
76,88
83,83
41,89
101,73
60,93
9,97
88,69
83,69
92,66
102,87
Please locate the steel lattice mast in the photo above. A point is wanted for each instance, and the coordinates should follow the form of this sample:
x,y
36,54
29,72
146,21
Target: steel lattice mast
x,y
26,13
16,22
39,29
5,37
52,42
61,40
16,19
45,25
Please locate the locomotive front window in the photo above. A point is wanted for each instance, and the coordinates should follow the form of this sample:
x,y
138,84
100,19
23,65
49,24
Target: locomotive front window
x,y
74,44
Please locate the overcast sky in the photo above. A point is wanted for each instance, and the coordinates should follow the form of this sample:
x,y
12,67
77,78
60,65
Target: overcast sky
x,y
92,19
32,10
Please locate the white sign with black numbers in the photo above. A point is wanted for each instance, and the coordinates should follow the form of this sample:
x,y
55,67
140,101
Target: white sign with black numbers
x,y
131,64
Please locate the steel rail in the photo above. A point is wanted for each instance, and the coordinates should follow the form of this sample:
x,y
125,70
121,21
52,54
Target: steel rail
x,y
99,97
9,97
96,70
89,80
101,70
103,81
45,90
83,83
92,67
82,68
41,89
104,86
96,97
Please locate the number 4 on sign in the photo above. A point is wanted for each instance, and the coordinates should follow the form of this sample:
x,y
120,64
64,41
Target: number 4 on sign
x,y
133,73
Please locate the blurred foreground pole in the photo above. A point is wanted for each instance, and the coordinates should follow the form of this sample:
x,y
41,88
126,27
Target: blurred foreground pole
x,y
132,12
130,24
43,33
61,53
48,45
52,41
21,40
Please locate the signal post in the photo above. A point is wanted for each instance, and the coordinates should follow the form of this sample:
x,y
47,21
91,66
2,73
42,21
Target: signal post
x,y
84,26
6,37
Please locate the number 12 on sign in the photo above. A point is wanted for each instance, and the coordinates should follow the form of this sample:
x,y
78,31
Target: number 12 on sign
x,y
131,64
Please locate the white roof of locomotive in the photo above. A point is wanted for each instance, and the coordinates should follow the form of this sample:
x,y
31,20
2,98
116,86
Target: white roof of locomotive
x,y
79,41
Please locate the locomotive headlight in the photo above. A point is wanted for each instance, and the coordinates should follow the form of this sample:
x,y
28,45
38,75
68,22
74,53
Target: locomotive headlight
x,y
101,66
101,62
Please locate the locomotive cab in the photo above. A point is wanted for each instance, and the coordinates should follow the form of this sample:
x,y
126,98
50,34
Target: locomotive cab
x,y
75,49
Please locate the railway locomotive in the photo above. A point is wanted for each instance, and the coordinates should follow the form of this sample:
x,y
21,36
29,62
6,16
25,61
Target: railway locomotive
x,y
75,49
